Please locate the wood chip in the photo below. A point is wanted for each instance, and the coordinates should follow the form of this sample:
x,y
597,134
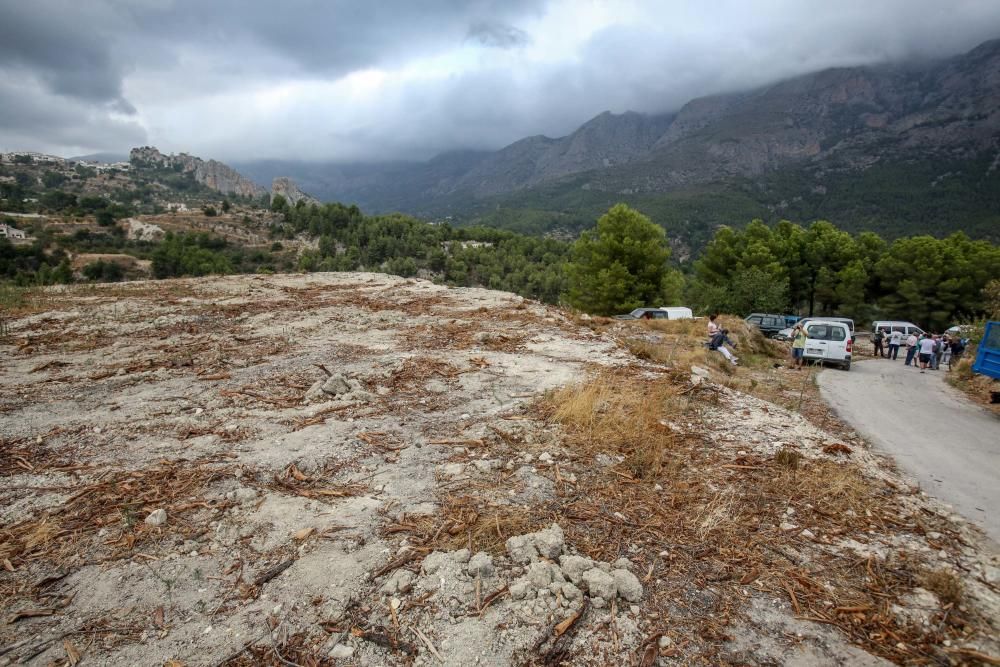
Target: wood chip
x,y
304,533
72,653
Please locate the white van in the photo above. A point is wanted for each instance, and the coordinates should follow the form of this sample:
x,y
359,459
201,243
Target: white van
x,y
905,328
677,312
828,341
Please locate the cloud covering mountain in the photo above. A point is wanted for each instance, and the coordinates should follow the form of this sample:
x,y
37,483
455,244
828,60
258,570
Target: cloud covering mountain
x,y
345,80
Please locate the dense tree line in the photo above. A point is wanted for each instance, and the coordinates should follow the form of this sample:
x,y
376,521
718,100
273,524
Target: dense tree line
x,y
347,240
820,269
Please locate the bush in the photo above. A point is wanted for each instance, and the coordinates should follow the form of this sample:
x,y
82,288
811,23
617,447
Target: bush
x,y
102,271
210,211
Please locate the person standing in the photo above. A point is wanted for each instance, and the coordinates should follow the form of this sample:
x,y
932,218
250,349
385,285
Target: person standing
x,y
938,351
799,337
926,352
894,342
877,338
957,349
945,349
911,348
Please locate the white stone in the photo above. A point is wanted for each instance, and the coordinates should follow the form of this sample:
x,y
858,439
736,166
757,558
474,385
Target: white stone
x,y
340,651
157,517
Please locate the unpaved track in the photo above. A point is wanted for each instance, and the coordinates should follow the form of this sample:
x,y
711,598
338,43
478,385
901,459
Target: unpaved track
x,y
946,442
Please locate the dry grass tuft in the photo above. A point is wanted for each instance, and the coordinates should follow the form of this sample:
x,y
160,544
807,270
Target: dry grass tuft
x,y
943,583
788,457
618,413
464,523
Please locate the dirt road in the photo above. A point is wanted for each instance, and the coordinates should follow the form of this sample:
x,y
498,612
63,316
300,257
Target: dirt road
x,y
947,443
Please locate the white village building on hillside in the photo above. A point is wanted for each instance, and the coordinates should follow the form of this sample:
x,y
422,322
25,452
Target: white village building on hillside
x,y
8,232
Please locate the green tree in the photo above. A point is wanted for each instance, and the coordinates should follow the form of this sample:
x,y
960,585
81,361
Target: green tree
x,y
619,265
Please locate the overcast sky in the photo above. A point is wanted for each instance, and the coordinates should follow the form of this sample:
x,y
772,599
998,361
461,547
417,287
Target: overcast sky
x,y
405,79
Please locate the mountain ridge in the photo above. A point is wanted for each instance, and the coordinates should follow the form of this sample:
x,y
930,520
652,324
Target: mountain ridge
x,y
828,129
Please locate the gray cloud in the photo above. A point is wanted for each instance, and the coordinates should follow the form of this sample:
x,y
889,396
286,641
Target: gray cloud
x,y
239,79
498,35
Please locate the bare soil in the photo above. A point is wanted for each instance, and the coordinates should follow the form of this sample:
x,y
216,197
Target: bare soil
x,y
314,439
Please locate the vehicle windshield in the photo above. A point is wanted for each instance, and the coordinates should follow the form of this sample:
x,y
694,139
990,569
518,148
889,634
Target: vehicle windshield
x,y
826,332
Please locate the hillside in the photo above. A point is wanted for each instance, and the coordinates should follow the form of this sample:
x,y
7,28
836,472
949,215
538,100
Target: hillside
x,y
897,149
312,469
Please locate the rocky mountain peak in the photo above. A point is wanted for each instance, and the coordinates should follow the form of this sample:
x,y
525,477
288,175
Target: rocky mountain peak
x,y
287,188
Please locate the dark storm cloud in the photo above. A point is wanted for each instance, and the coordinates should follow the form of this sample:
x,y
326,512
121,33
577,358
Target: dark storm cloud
x,y
31,117
72,57
234,78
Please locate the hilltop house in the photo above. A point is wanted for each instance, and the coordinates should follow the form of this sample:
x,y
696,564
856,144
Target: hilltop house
x,y
8,232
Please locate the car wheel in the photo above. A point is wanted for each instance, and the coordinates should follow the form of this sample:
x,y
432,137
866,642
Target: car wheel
x,y
847,365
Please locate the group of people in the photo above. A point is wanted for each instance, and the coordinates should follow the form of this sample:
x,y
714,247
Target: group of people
x,y
928,350
718,338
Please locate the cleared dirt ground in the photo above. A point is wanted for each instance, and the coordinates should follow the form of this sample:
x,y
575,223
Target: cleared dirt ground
x,y
341,469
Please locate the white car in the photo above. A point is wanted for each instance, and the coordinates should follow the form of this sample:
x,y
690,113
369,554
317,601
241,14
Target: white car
x,y
828,341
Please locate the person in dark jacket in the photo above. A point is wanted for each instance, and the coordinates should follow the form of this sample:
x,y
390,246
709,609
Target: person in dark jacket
x,y
719,340
878,338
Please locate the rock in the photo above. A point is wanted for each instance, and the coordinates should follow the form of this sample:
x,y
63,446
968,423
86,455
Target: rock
x,y
315,392
453,469
287,188
599,584
545,458
664,641
434,561
623,564
461,556
700,372
598,603
340,652
627,584
486,465
243,495
808,534
400,581
157,517
519,589
697,380
574,567
549,542
480,565
336,385
540,574
521,549
571,592
785,526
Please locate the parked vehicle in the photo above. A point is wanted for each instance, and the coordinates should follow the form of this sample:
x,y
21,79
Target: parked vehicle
x,y
786,334
769,325
645,314
790,320
988,355
678,312
829,341
905,328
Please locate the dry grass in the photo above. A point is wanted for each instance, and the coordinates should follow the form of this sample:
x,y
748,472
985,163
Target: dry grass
x,y
118,502
944,584
788,457
690,516
618,413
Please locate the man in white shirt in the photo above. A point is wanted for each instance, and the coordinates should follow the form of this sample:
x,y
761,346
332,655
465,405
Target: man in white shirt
x,y
911,349
926,352
895,340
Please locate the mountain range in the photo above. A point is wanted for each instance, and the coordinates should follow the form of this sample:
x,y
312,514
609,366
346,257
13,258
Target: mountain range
x,y
899,149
